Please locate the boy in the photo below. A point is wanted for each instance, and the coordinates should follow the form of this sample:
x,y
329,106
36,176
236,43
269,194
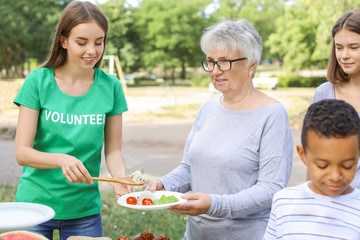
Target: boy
x,y
326,207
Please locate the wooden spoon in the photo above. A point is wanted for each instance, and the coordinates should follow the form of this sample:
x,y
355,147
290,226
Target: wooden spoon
x,y
123,180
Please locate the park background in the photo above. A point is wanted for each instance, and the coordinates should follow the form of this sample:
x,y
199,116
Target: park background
x,y
161,38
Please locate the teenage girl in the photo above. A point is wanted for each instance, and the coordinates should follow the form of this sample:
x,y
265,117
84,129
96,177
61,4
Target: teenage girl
x,y
344,67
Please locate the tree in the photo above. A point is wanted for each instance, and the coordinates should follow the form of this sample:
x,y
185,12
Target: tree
x,y
303,36
26,29
123,36
262,13
297,40
170,33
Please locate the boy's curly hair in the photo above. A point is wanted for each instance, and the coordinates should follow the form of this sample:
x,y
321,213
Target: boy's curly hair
x,y
331,118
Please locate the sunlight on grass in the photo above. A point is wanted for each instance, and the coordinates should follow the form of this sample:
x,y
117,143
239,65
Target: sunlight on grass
x,y
7,193
297,112
295,100
297,90
183,111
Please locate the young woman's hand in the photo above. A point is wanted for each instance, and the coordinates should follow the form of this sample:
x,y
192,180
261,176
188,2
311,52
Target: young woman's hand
x,y
200,204
155,185
121,189
74,170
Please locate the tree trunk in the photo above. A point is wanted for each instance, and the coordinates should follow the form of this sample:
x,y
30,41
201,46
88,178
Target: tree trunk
x,y
183,70
173,75
165,74
22,67
28,66
6,71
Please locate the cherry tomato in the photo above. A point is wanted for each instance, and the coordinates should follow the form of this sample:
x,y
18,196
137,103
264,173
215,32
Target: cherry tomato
x,y
131,200
147,201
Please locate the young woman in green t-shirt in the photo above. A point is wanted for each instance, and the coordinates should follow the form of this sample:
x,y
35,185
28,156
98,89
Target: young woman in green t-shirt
x,y
68,108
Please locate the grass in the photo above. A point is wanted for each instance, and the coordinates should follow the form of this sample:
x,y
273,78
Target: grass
x,y
7,193
182,111
118,221
7,133
8,90
297,111
270,67
296,101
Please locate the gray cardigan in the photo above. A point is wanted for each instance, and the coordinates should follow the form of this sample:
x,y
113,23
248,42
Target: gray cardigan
x,y
240,158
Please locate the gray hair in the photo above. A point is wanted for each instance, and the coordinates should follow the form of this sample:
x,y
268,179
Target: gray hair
x,y
233,35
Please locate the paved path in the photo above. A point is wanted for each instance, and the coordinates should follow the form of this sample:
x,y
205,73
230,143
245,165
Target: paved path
x,y
157,147
9,169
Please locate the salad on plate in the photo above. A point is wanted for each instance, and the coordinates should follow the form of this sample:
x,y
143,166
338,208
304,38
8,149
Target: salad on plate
x,y
147,200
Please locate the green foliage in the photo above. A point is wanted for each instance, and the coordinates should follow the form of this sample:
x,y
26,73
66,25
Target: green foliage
x,y
165,34
297,38
303,33
299,81
202,80
124,39
171,32
26,28
262,13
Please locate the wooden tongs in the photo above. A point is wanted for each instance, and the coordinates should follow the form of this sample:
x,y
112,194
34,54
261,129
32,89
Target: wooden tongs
x,y
123,180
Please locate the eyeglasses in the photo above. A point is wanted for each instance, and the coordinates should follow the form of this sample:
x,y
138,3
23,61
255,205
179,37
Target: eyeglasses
x,y
223,65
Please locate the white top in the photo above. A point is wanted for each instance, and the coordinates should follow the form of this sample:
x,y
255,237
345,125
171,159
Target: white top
x,y
325,91
299,213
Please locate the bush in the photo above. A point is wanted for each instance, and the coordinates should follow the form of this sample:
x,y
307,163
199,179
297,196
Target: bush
x,y
299,81
202,80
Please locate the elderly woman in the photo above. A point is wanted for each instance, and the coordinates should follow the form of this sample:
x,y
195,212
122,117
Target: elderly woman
x,y
239,151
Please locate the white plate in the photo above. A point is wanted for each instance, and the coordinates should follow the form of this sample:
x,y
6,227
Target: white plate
x,y
19,215
155,195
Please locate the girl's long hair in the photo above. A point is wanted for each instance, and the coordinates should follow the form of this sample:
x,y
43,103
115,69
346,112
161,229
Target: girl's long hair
x,y
75,13
350,21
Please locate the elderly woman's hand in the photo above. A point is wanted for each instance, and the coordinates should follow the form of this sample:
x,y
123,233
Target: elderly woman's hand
x,y
200,204
155,185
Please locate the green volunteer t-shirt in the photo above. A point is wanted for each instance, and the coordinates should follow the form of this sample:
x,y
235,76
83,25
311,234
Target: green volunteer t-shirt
x,y
72,125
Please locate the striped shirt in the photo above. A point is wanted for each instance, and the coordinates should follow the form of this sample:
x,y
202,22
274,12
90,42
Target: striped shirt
x,y
299,213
